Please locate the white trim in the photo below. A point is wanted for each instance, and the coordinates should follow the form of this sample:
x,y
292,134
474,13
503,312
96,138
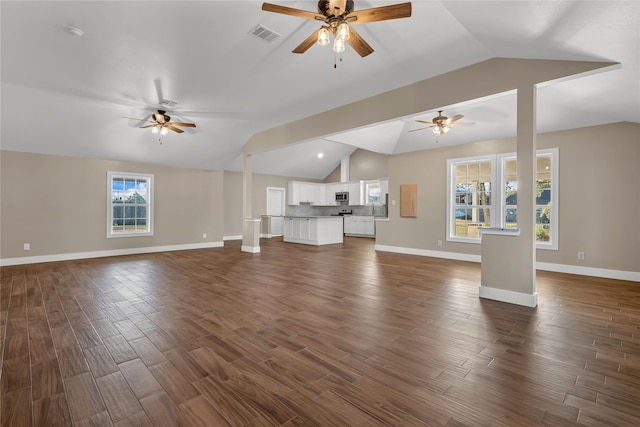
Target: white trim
x,y
632,276
232,237
266,235
527,300
251,249
99,254
150,203
429,253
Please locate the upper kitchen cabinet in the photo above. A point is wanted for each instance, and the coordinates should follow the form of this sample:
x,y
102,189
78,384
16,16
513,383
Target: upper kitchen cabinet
x,y
354,193
305,192
330,191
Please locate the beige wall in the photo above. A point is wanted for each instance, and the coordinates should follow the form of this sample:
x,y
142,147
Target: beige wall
x,y
59,205
365,165
334,176
233,197
598,204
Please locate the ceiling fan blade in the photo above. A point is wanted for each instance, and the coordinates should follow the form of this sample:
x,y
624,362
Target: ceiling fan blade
x,y
358,44
189,125
175,129
148,126
133,118
307,43
426,122
414,130
382,13
268,7
455,118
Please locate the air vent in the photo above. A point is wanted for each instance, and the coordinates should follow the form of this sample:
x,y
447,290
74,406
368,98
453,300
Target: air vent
x,y
168,103
264,33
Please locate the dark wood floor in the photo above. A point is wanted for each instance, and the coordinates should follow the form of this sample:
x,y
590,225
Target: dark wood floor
x,y
300,335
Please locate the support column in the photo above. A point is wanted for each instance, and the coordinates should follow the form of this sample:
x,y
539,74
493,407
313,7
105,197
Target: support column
x,y
250,225
508,256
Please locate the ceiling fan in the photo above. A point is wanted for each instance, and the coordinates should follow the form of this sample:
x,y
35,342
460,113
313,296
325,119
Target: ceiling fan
x,y
161,123
336,16
442,124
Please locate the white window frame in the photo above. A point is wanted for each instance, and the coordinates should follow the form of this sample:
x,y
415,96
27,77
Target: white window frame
x,y
366,185
150,188
498,195
451,191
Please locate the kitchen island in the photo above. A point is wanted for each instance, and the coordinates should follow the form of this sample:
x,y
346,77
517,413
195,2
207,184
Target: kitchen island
x,y
313,230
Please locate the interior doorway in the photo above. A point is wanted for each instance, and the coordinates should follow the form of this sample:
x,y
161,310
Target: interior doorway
x,y
275,208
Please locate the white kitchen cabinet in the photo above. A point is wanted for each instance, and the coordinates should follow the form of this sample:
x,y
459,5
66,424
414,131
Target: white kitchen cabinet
x,y
330,194
355,225
354,193
304,192
313,230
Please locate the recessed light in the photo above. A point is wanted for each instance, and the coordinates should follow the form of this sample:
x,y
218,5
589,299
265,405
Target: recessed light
x,y
320,155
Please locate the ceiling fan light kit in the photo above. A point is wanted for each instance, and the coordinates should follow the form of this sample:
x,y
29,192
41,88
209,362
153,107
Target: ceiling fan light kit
x,y
442,124
161,123
337,15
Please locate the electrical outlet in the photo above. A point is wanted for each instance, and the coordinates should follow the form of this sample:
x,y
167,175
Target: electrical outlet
x,y
580,255
439,242
204,235
27,246
393,203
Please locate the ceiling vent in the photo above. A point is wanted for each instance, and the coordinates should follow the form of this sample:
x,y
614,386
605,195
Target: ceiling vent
x,y
264,33
167,103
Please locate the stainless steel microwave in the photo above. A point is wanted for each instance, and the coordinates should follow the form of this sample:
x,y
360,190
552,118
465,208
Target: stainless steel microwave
x,y
342,196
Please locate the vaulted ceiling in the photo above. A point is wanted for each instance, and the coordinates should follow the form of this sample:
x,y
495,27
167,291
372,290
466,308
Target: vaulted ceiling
x,y
68,95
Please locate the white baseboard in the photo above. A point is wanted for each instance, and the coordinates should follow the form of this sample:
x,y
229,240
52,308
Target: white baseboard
x,y
429,253
251,249
100,254
233,237
527,300
265,236
633,276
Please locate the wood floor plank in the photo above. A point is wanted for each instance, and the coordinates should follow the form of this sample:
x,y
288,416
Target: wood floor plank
x,y
83,396
100,361
162,411
140,379
120,349
229,404
120,401
174,382
216,336
47,379
16,408
199,412
71,361
147,352
16,374
51,411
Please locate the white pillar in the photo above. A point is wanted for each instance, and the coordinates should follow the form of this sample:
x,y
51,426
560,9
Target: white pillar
x,y
250,225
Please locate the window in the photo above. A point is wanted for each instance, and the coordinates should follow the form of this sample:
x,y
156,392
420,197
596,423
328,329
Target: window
x,y
546,193
471,205
130,208
470,197
372,193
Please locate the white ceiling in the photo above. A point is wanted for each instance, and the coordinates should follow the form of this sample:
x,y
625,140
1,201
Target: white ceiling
x,y
67,95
